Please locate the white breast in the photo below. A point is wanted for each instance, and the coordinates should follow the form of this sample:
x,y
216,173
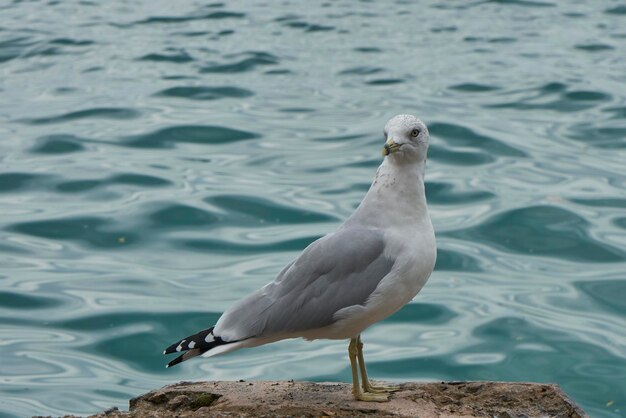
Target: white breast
x,y
416,256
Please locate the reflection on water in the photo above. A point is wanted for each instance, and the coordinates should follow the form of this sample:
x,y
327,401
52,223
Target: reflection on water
x,y
161,160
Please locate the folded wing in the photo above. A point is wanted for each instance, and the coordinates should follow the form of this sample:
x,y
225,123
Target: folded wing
x,y
339,270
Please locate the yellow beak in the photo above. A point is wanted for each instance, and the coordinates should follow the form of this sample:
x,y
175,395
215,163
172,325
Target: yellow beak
x,y
390,147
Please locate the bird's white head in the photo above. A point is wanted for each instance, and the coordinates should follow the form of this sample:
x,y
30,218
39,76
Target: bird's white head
x,y
406,140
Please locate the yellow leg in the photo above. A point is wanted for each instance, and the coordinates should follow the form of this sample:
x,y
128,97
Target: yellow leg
x,y
353,352
367,385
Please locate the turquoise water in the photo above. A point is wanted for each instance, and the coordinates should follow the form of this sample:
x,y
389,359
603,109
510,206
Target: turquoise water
x,y
160,161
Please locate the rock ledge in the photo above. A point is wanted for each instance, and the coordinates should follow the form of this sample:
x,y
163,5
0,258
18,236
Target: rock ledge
x,y
306,399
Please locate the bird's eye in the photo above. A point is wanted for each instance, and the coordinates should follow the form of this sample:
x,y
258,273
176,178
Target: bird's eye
x,y
415,133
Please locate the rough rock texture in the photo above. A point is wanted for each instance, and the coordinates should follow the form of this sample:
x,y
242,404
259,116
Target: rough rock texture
x,y
305,399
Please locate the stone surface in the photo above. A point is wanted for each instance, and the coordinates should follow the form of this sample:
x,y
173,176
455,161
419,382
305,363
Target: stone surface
x,y
306,399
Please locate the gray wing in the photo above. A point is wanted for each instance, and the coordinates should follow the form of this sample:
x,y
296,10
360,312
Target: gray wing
x,y
339,270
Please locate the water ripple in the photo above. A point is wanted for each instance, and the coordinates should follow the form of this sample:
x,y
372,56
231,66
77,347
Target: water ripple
x,y
14,47
158,163
199,16
130,179
248,62
547,231
11,300
246,247
205,93
464,137
617,10
191,134
561,100
58,144
14,182
180,216
602,136
103,112
94,231
263,211
443,193
473,87
176,56
457,157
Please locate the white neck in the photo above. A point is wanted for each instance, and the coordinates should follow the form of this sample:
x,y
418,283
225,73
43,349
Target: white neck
x,y
396,197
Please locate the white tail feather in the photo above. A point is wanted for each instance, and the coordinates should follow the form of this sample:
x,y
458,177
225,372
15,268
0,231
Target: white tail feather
x,y
221,349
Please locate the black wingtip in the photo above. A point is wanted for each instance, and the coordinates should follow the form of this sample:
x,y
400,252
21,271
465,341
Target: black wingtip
x,y
197,340
194,345
173,348
174,362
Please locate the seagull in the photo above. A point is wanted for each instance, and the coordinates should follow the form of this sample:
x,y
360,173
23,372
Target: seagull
x,y
369,268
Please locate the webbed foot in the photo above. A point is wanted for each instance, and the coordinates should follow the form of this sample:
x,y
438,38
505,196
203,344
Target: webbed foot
x,y
369,387
371,397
